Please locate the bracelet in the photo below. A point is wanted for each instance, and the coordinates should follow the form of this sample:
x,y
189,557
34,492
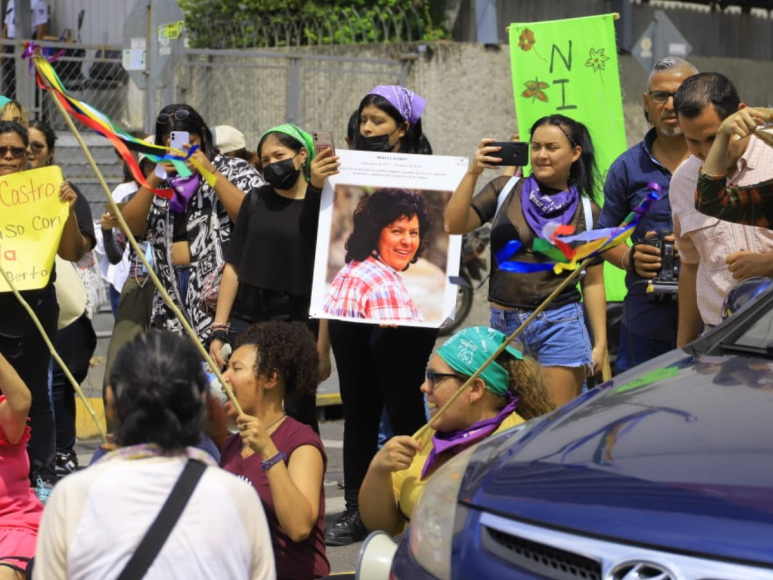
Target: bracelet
x,y
625,262
221,335
220,325
272,461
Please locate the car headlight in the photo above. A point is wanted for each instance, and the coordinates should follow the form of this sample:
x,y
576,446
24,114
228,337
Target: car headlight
x,y
432,523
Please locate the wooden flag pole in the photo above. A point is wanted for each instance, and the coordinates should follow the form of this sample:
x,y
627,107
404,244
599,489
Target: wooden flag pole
x,y
141,255
54,354
560,288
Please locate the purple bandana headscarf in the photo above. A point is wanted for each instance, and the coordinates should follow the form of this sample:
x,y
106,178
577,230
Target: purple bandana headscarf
x,y
457,441
409,104
539,210
183,189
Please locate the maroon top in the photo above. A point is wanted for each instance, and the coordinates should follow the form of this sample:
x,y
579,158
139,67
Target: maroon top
x,y
294,560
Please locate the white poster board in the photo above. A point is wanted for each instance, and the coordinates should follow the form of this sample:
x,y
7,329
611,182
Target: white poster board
x,y
375,263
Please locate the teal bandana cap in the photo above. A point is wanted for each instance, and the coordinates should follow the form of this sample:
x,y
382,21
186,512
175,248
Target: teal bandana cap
x,y
4,101
468,349
299,135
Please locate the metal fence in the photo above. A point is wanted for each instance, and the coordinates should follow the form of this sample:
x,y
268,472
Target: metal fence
x,y
255,90
252,90
331,26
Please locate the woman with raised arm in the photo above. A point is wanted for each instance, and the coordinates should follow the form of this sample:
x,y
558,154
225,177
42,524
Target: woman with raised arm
x,y
563,173
189,232
270,258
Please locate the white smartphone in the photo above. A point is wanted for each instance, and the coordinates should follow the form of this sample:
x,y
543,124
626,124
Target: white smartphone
x,y
179,138
323,140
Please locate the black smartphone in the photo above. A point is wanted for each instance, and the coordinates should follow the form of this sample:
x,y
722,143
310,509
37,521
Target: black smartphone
x,y
512,153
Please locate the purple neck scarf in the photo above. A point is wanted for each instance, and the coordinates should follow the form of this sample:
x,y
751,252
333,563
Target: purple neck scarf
x,y
540,210
458,441
183,189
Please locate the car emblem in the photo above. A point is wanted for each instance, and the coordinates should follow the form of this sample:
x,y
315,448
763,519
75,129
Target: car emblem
x,y
639,571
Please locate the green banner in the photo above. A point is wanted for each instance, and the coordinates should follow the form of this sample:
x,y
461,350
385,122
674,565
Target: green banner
x,y
570,67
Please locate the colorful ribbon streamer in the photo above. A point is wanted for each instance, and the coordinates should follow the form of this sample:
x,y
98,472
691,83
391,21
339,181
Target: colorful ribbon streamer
x,y
557,242
48,80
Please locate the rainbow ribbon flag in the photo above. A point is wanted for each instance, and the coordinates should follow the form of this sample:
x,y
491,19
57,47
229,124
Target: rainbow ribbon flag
x,y
48,80
565,250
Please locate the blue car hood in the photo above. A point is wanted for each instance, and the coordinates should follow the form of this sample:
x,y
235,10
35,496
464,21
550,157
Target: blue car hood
x,y
677,455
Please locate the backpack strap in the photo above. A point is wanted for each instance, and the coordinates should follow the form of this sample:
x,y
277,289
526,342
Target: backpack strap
x,y
165,521
588,213
509,186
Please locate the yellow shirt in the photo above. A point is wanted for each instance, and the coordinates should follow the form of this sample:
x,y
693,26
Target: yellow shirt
x,y
408,485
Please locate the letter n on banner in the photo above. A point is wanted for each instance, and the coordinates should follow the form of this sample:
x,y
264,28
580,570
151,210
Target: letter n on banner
x,y
32,219
569,67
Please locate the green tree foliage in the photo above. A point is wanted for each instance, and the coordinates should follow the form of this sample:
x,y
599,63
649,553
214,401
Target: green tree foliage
x,y
265,23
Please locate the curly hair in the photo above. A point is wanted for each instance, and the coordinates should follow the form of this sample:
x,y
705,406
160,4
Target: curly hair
x,y
159,400
377,211
287,349
527,381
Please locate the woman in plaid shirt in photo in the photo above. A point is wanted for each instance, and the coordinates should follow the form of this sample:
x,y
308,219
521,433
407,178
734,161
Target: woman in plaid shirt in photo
x,y
390,227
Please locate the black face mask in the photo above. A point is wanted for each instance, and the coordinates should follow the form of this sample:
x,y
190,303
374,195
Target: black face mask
x,y
377,143
281,174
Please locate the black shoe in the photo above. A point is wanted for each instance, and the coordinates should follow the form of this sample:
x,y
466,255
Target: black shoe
x,y
347,530
66,463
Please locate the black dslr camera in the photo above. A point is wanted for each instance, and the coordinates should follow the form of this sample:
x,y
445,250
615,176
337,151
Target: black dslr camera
x,y
667,281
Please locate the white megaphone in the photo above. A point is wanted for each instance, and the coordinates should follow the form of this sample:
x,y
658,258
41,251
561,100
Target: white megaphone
x,y
374,561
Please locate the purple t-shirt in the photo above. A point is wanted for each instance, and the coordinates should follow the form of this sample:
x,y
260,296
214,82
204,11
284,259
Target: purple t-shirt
x,y
294,560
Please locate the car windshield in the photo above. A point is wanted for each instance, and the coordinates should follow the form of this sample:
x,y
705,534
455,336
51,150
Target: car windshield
x,y
759,335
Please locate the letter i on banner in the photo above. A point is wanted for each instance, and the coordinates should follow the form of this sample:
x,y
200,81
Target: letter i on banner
x,y
569,67
32,219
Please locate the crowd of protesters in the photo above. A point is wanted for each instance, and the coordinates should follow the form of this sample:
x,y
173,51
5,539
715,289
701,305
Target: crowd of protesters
x,y
234,249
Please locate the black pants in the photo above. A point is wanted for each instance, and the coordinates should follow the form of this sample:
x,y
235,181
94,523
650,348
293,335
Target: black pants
x,y
377,368
24,347
254,305
75,343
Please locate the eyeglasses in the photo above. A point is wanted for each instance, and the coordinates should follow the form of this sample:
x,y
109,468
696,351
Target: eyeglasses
x,y
660,97
179,114
37,146
432,378
17,152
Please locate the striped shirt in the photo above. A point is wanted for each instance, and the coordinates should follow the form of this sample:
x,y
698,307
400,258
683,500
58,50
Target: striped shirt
x,y
708,241
370,290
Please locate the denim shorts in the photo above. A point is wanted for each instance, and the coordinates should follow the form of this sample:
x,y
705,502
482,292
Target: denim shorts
x,y
556,338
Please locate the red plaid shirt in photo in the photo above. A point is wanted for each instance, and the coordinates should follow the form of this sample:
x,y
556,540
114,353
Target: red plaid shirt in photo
x,y
372,290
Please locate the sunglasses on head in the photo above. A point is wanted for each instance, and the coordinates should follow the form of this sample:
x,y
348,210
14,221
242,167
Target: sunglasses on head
x,y
17,152
180,115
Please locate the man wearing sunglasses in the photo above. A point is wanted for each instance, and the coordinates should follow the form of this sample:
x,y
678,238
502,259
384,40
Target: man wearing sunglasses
x,y
649,326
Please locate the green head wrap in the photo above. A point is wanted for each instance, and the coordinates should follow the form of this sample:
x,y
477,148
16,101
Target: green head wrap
x,y
468,349
4,101
299,135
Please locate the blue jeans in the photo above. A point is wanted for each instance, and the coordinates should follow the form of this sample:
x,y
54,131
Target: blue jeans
x,y
556,338
114,296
